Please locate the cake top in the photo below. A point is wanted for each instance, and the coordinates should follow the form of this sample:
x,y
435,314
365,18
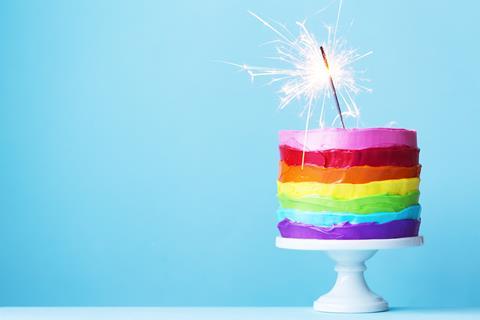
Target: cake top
x,y
351,139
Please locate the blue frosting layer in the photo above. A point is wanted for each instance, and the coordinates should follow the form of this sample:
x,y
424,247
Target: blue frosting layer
x,y
326,219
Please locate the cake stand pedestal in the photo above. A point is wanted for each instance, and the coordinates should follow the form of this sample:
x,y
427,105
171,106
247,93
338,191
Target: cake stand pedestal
x,y
350,294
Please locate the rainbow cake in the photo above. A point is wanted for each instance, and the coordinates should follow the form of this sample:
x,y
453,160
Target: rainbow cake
x,y
349,184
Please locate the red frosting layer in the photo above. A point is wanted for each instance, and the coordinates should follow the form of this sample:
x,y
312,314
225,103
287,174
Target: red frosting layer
x,y
402,156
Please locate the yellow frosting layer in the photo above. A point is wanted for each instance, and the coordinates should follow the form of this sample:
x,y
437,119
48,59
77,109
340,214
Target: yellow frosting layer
x,y
347,191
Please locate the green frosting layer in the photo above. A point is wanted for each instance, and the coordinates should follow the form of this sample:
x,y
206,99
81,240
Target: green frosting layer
x,y
380,203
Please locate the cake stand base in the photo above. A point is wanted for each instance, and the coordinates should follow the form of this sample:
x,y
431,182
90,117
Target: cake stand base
x,y
350,294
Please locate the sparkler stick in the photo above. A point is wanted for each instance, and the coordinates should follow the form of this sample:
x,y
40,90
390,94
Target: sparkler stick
x,y
332,85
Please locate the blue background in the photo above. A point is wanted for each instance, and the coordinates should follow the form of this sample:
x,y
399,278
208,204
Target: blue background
x,y
137,170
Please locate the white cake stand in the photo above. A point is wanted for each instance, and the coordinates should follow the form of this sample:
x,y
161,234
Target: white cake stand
x,y
350,294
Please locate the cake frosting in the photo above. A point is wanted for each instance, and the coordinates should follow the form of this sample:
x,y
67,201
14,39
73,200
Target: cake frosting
x,y
349,184
353,139
327,219
358,174
347,231
400,156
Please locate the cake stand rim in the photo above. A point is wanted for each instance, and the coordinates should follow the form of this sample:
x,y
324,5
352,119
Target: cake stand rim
x,y
364,244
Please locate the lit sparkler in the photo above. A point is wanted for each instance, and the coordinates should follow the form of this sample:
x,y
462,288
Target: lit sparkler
x,y
308,77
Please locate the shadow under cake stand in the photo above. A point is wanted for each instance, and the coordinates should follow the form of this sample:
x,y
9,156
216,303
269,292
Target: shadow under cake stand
x,y
350,294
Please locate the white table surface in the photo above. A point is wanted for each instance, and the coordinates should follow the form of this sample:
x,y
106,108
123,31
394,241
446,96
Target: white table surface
x,y
270,313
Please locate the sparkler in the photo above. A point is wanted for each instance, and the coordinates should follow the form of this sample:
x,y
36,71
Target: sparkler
x,y
309,78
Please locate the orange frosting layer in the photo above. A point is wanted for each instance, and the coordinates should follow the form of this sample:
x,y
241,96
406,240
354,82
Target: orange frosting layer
x,y
357,174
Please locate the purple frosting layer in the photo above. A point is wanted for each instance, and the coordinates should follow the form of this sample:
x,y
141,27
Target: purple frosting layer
x,y
347,231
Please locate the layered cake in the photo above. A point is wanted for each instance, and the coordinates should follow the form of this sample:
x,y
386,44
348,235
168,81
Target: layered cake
x,y
349,184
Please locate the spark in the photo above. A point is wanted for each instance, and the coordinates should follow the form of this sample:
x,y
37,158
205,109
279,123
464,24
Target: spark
x,y
306,76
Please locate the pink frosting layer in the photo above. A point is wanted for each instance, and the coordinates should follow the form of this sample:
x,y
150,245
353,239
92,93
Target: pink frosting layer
x,y
352,139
